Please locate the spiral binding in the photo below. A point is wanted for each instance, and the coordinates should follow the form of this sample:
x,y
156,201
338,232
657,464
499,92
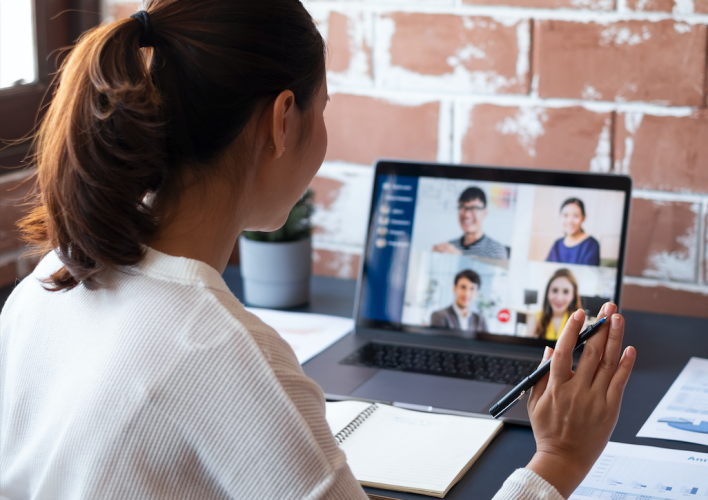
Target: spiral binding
x,y
349,429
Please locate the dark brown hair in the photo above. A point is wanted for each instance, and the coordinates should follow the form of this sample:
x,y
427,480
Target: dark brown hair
x,y
473,193
547,313
574,201
470,275
126,122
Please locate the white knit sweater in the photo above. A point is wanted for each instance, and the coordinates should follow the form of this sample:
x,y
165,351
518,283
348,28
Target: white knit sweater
x,y
161,386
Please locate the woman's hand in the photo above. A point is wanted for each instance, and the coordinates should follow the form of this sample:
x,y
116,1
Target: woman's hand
x,y
572,413
447,248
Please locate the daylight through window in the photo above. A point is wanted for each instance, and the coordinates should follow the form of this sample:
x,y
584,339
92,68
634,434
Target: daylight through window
x,y
17,43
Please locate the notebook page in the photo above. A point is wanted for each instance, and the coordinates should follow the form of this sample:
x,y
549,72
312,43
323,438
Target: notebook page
x,y
341,413
415,450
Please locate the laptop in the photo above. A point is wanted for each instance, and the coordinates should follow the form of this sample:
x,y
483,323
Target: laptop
x,y
468,273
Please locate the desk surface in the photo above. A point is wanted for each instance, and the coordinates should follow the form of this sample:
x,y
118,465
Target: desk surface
x,y
664,346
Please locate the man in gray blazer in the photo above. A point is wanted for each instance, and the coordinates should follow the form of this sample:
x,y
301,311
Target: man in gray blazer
x,y
458,316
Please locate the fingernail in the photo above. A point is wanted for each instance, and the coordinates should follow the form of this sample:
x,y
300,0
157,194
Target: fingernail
x,y
545,352
611,306
616,321
630,352
579,315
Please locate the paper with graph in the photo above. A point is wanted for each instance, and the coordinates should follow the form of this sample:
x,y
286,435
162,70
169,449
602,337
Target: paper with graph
x,y
308,334
682,414
631,472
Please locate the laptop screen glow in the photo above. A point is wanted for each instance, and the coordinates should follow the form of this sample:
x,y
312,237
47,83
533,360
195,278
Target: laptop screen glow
x,y
468,257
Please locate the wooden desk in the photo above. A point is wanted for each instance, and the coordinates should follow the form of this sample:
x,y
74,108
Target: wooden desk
x,y
664,346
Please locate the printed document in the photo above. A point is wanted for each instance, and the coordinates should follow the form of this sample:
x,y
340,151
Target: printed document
x,y
630,472
308,334
682,414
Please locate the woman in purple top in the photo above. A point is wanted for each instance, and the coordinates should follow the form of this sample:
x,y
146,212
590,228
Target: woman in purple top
x,y
576,247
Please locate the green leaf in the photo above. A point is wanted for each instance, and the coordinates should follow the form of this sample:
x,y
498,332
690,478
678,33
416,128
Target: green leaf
x,y
297,227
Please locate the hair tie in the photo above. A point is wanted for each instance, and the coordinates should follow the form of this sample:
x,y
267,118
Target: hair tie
x,y
146,36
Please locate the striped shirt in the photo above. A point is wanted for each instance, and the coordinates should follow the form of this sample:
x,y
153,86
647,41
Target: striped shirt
x,y
484,247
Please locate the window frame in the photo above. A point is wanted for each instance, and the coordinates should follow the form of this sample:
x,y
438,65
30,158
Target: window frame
x,y
58,24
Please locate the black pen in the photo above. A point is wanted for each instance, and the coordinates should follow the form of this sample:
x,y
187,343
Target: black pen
x,y
525,385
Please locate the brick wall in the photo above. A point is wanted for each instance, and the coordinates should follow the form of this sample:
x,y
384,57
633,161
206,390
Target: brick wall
x,y
586,85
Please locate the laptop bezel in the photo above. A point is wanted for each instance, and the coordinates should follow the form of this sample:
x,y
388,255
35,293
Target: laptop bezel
x,y
541,177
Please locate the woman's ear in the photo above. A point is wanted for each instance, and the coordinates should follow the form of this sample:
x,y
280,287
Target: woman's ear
x,y
284,116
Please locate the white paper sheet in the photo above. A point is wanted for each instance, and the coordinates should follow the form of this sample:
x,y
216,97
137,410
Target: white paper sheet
x,y
342,413
630,472
410,450
308,334
682,414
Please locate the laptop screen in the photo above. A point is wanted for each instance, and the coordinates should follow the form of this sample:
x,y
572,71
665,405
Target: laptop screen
x,y
490,253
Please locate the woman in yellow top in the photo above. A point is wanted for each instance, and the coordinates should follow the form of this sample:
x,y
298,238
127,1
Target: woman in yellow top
x,y
560,301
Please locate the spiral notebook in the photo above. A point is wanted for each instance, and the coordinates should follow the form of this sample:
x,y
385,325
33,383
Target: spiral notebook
x,y
405,450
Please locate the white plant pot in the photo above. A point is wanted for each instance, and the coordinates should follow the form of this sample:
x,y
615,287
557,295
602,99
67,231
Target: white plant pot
x,y
276,275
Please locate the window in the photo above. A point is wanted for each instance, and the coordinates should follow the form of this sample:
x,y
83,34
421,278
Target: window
x,y
32,34
18,65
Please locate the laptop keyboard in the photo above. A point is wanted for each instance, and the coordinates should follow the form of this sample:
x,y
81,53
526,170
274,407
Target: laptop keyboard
x,y
464,365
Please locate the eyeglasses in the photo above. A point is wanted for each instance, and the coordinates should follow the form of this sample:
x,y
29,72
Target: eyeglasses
x,y
474,209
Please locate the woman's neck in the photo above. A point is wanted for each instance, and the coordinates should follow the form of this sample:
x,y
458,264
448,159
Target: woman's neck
x,y
575,238
205,223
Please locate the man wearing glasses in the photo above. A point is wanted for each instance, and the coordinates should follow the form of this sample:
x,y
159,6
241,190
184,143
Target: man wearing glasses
x,y
472,210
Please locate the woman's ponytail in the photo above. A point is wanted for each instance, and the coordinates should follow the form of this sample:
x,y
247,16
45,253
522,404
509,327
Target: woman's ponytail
x,y
100,150
126,122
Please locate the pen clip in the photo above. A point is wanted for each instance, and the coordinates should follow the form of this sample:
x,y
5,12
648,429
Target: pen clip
x,y
508,407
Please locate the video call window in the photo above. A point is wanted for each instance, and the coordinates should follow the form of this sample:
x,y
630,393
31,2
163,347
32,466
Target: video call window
x,y
510,259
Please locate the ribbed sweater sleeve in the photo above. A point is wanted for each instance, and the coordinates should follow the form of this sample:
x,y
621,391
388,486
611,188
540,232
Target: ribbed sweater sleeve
x,y
525,484
161,386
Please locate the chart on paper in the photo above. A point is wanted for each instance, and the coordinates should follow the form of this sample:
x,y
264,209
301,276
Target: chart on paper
x,y
629,472
682,414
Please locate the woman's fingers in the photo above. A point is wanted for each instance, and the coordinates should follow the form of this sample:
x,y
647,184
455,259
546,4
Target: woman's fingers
x,y
615,391
562,365
593,353
540,387
613,350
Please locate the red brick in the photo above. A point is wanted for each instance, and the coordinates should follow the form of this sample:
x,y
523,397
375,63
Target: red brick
x,y
335,264
326,191
664,300
662,240
624,61
342,196
362,129
549,4
339,52
14,189
704,251
435,44
123,10
557,138
345,42
663,152
700,6
651,5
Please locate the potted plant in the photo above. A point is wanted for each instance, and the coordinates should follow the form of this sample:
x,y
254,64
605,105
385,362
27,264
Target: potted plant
x,y
276,267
